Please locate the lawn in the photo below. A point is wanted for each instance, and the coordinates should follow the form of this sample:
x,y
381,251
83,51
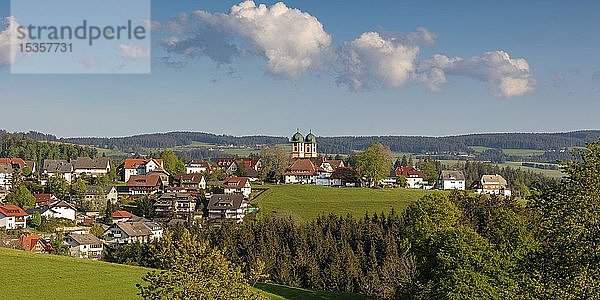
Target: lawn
x,y
306,202
44,276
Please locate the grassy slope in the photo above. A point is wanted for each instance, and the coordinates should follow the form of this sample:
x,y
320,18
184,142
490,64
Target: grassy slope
x,y
308,201
44,276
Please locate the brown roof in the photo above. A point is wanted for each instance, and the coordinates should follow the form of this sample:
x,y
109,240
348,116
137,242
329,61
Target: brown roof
x,y
229,201
493,179
189,178
144,180
85,239
133,163
235,182
343,173
90,163
134,228
44,199
12,211
302,166
30,241
6,168
335,163
409,171
122,214
247,163
452,175
19,163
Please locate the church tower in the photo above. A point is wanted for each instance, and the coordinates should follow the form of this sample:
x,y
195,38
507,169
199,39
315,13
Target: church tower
x,y
310,145
297,145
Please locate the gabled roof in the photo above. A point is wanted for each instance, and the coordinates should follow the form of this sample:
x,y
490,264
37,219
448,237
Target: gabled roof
x,y
409,171
229,201
144,181
12,211
134,163
90,163
134,228
199,164
335,163
194,178
15,162
247,163
85,239
302,166
30,241
91,189
57,166
493,179
44,198
452,175
122,214
235,182
344,174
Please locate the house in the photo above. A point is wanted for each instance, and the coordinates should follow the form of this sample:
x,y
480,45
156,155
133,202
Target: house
x,y
12,217
302,171
6,173
93,167
84,245
451,180
58,168
17,163
35,243
224,163
44,199
343,176
190,181
162,174
250,166
58,209
132,232
139,166
122,216
323,169
414,177
175,205
237,185
8,166
144,184
198,166
492,185
109,192
227,207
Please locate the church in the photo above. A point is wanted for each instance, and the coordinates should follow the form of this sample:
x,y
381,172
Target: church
x,y
304,147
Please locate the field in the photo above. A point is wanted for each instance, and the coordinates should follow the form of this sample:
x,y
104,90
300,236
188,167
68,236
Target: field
x,y
306,202
44,276
515,152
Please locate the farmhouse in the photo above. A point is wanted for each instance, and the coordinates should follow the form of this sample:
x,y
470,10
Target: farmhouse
x,y
493,185
452,180
237,185
35,243
91,166
84,245
227,207
12,217
139,166
414,177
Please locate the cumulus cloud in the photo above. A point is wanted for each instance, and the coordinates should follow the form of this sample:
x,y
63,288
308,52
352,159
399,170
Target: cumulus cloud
x,y
294,42
8,26
505,76
131,51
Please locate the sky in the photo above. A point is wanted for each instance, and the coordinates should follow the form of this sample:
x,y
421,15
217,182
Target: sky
x,y
430,68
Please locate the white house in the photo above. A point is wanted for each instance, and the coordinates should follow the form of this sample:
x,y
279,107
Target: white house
x,y
57,209
12,217
131,232
492,185
84,245
237,185
140,166
6,172
91,166
58,168
414,177
227,207
452,180
301,171
191,181
197,166
110,193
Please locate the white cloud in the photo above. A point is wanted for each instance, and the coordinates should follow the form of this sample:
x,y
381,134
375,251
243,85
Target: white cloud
x,y
132,51
506,77
294,42
10,25
372,61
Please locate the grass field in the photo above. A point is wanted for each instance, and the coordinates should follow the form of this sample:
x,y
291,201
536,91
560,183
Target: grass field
x,y
43,276
308,201
514,152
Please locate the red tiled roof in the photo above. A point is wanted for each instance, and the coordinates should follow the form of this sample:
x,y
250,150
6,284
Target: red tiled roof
x,y
247,163
30,241
122,214
409,171
302,165
132,163
144,180
44,199
12,211
235,182
14,161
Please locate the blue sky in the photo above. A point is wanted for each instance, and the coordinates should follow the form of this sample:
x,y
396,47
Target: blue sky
x,y
253,94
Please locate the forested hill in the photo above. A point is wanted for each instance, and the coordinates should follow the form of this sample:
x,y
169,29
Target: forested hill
x,y
345,144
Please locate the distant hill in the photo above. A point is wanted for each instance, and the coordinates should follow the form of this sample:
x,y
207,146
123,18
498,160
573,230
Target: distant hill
x,y
343,144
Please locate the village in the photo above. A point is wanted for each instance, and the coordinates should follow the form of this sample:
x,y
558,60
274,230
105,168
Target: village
x,y
97,216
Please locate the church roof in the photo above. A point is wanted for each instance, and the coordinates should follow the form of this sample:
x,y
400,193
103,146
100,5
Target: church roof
x,y
297,137
310,138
